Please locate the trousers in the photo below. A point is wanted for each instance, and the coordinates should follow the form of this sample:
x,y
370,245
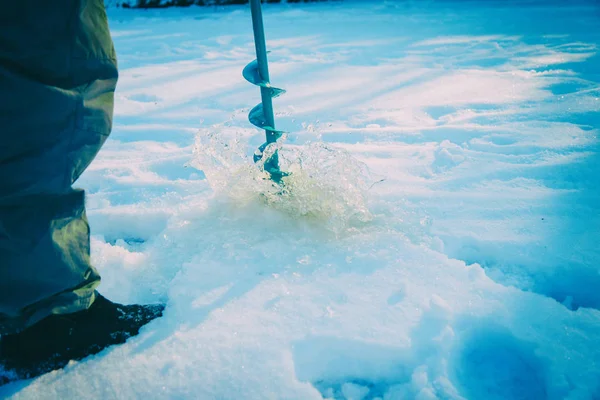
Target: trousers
x,y
58,74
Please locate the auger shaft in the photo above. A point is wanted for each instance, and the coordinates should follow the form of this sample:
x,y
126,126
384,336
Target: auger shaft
x,y
261,116
263,67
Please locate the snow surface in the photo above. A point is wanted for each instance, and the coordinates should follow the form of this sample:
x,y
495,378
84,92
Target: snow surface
x,y
439,235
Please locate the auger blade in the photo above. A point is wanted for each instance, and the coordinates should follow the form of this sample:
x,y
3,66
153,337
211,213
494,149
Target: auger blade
x,y
257,118
276,92
271,164
252,74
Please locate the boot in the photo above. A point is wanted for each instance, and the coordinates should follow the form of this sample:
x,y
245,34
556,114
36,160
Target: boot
x,y
51,343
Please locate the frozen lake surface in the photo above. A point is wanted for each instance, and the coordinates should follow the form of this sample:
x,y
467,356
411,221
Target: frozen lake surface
x,y
438,238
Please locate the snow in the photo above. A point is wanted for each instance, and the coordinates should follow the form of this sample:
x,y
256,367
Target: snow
x,y
438,238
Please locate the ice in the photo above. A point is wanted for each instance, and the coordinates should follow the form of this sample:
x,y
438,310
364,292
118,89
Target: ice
x,y
437,237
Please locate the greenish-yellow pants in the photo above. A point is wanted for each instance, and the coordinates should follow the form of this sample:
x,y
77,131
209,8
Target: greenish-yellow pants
x,y
58,74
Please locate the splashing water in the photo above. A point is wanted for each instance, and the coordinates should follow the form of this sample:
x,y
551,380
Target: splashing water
x,y
326,185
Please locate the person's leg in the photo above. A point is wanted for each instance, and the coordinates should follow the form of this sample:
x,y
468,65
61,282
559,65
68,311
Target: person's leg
x,y
57,79
45,260
58,74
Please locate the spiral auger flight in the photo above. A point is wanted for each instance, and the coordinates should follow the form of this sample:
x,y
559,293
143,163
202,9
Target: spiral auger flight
x,y
261,116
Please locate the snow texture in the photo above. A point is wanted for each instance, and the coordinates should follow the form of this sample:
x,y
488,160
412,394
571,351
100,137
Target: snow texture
x,y
438,238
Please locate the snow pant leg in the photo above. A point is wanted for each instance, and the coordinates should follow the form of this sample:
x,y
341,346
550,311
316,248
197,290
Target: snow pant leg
x,y
58,74
45,260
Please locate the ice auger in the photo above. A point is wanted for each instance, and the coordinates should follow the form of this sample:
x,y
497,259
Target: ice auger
x,y
261,116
